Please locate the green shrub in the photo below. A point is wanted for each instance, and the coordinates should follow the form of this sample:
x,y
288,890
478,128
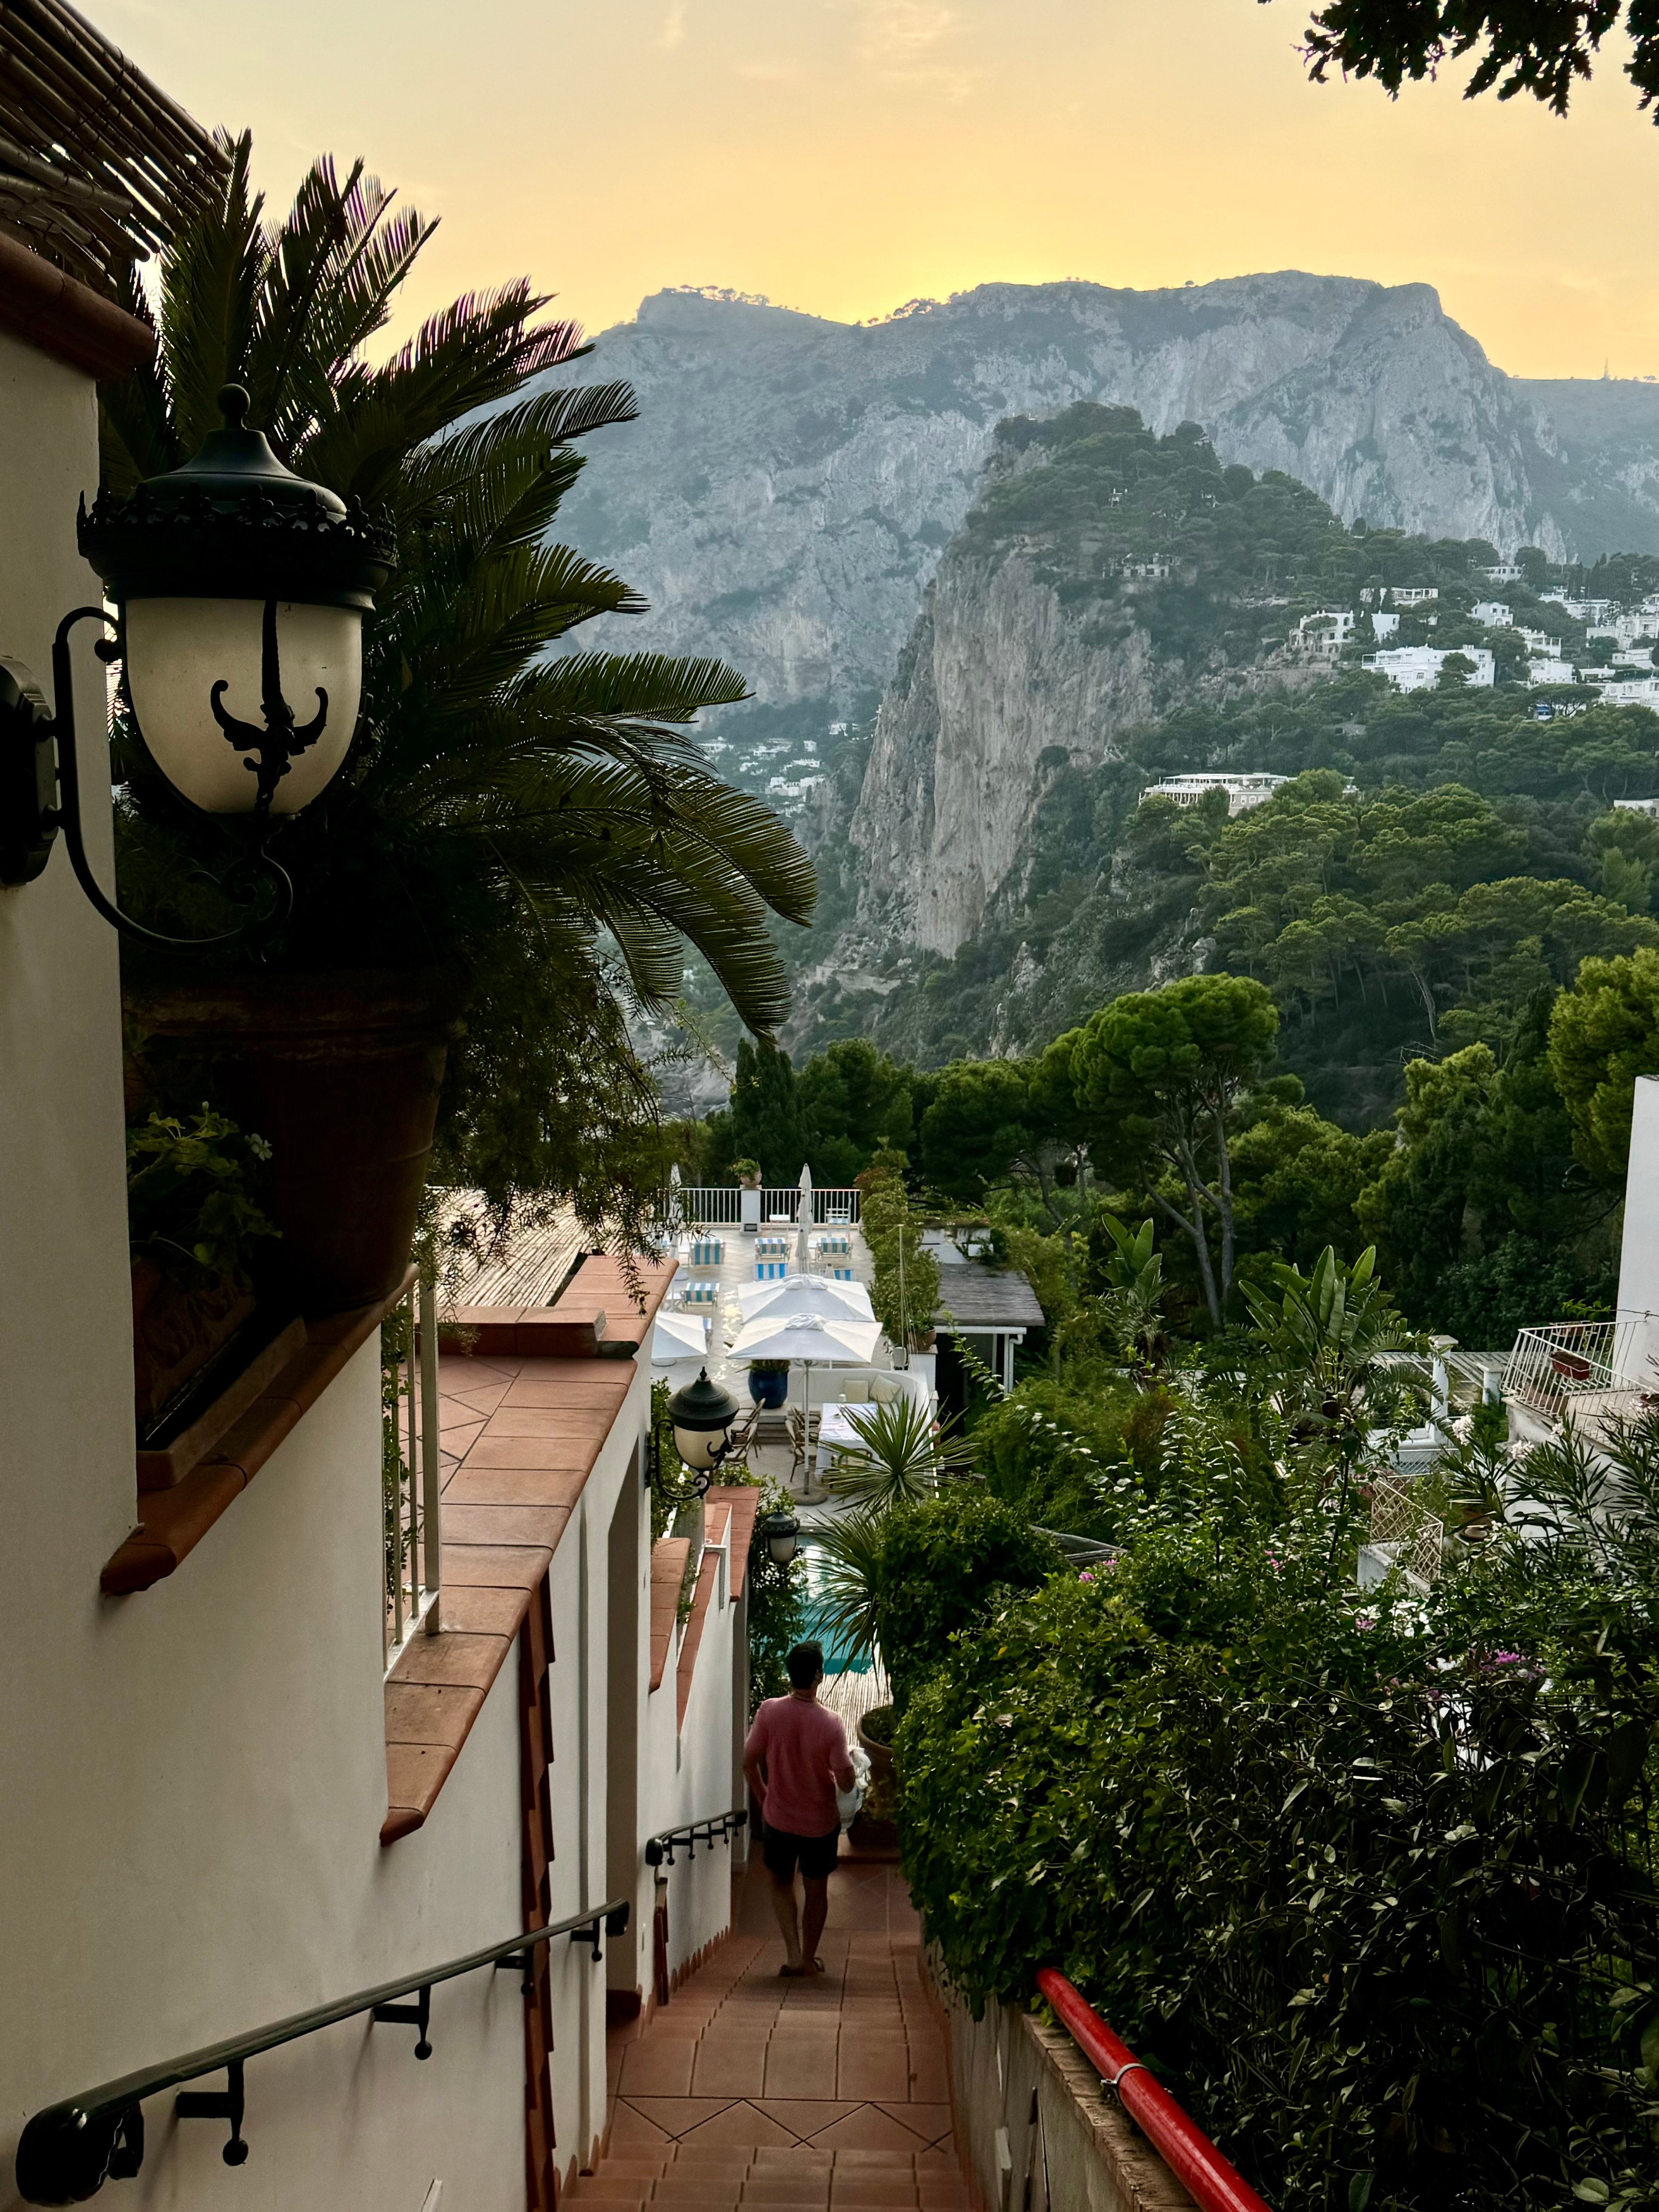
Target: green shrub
x,y
1368,1883
940,1564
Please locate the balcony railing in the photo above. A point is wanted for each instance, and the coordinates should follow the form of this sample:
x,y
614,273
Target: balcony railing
x,y
1581,1368
708,1205
411,1469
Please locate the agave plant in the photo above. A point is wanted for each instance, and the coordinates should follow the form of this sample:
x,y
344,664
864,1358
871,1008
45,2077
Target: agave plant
x,y
534,816
906,1456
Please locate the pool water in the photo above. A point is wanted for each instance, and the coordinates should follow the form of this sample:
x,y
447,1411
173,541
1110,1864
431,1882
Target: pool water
x,y
836,1659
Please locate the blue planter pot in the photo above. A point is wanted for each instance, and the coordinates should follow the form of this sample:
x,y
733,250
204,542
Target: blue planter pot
x,y
769,1387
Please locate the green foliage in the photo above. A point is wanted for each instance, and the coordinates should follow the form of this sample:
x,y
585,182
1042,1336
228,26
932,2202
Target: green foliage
x,y
1603,1034
904,1289
777,1604
1326,1333
1134,1303
1272,1836
976,1127
905,1456
937,1566
538,819
849,1552
1160,1073
853,1100
763,1124
191,1207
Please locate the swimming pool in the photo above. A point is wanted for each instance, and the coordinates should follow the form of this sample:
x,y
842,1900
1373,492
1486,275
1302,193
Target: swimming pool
x,y
837,1660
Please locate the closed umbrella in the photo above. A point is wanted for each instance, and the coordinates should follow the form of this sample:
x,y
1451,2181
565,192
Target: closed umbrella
x,y
804,1219
809,1340
797,1294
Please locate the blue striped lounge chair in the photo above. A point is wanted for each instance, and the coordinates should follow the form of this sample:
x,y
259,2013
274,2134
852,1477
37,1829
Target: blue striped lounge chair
x,y
707,1252
770,1271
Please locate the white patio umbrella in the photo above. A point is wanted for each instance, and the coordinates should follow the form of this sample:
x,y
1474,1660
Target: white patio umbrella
x,y
798,1294
804,1222
809,1340
679,1336
676,1204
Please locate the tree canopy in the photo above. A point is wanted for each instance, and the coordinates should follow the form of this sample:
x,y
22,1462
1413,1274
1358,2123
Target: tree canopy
x,y
1544,48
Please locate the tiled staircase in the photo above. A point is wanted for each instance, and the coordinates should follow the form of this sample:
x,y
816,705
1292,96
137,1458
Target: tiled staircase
x,y
747,2089
685,2174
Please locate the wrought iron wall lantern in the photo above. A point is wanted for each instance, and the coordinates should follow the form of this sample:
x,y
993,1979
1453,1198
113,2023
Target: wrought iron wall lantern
x,y
703,1415
778,1535
238,591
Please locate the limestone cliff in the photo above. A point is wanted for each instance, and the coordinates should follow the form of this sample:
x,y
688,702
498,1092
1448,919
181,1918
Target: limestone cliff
x,y
785,494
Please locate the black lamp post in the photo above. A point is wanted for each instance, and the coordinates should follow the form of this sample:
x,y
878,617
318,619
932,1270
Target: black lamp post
x,y
239,592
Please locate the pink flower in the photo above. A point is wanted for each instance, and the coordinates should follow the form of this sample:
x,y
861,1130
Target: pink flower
x,y
1085,1577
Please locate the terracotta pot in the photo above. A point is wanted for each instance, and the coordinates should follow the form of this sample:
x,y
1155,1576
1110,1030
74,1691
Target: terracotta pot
x,y
340,1074
881,1762
176,1330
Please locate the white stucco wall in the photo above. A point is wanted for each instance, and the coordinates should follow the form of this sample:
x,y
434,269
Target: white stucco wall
x,y
1638,1260
193,1779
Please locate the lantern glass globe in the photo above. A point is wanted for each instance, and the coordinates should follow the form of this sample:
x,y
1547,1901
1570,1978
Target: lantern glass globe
x,y
178,650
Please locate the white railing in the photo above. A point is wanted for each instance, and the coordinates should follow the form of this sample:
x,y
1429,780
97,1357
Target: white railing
x,y
709,1205
412,1469
1576,1367
714,1205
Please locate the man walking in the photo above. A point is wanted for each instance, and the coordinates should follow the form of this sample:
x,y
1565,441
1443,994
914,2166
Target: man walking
x,y
795,1760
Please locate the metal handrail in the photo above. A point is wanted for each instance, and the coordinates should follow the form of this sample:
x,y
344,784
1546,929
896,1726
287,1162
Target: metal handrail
x,y
68,2150
1190,2156
720,1828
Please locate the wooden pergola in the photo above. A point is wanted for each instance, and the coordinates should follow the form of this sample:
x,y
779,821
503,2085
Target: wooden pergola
x,y
98,166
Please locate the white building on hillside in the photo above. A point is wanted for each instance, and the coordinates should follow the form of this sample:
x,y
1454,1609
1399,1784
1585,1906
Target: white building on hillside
x,y
1545,670
1384,626
1244,791
1417,667
1413,595
1492,614
1504,572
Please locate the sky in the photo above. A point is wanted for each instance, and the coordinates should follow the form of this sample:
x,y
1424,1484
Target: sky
x,y
846,156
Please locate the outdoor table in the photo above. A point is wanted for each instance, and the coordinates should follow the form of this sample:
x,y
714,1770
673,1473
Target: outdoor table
x,y
835,1429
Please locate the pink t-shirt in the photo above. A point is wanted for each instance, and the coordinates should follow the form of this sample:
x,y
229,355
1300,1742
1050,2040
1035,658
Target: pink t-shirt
x,y
800,1744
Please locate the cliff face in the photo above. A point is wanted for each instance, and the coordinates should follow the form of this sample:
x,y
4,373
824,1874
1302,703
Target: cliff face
x,y
785,496
994,678
1044,638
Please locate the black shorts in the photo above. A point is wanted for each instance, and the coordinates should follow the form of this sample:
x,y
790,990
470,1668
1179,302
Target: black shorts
x,y
816,1854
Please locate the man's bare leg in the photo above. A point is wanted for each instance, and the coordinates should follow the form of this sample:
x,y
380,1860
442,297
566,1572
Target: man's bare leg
x,y
783,1904
818,1909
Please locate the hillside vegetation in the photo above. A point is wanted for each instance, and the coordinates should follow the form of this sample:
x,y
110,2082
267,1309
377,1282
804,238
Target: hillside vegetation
x,y
1444,854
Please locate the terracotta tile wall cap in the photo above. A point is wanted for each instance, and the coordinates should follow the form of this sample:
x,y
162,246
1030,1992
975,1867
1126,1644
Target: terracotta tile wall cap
x,y
701,1599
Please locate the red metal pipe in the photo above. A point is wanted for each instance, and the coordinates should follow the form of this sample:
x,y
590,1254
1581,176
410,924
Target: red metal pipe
x,y
1190,2155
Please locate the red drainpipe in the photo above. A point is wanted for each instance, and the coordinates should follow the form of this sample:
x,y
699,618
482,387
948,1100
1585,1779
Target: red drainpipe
x,y
1190,2156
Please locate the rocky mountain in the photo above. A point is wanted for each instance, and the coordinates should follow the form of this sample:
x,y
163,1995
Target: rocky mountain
x,y
786,493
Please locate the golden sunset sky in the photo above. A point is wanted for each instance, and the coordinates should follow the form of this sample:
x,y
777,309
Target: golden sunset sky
x,y
847,155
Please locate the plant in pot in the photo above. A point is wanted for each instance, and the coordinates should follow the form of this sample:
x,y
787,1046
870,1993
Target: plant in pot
x,y
769,1383
519,840
748,1173
196,1230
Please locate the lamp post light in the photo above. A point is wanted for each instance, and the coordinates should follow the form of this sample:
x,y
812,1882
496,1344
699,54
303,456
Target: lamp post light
x,y
239,592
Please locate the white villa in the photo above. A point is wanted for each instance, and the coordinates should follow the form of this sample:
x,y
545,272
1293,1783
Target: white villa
x,y
1244,791
1417,667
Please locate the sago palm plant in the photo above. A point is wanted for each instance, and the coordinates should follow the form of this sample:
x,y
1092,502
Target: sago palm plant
x,y
904,1457
535,816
